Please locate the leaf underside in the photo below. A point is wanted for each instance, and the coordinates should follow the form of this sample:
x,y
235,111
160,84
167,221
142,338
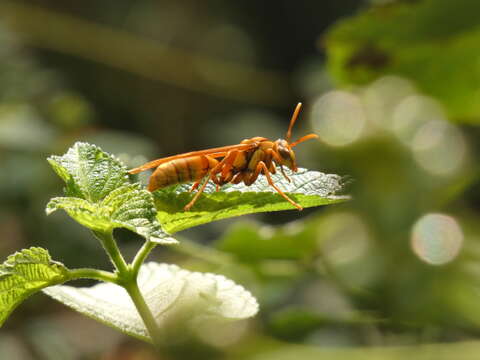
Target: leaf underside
x,y
307,188
178,299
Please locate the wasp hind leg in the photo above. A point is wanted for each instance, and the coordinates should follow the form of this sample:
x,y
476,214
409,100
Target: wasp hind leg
x,y
212,175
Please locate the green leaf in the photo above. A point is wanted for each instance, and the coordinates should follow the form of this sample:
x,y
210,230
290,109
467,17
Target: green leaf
x,y
25,273
100,197
308,188
179,300
128,206
432,42
89,173
83,211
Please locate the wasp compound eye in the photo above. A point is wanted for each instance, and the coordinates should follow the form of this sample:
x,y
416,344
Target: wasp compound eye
x,y
284,153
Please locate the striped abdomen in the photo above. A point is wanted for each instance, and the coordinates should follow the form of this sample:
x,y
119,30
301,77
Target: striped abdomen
x,y
180,171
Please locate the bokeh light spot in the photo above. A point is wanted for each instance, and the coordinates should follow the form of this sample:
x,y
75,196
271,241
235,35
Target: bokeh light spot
x,y
338,117
344,238
436,238
412,113
439,147
382,96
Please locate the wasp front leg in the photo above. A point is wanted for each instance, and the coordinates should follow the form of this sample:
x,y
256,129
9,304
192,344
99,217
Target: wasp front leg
x,y
278,160
261,167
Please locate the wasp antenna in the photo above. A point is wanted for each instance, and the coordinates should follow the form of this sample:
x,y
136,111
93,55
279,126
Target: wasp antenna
x,y
304,138
292,121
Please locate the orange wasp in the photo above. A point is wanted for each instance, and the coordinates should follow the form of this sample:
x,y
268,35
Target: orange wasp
x,y
227,164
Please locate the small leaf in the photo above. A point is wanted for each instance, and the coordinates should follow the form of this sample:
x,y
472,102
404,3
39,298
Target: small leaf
x,y
83,211
128,206
178,298
88,172
100,196
133,208
25,273
308,188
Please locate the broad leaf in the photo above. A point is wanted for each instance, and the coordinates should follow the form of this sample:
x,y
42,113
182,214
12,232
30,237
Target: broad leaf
x,y
100,196
25,273
128,206
179,299
432,42
308,188
88,172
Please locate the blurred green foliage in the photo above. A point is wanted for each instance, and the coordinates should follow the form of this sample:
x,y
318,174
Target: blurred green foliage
x,y
433,42
346,282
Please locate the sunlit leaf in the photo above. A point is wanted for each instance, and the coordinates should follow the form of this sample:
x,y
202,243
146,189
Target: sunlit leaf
x,y
25,273
308,188
179,299
88,172
128,206
100,196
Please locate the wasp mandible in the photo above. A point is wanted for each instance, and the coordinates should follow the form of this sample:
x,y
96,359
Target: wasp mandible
x,y
234,164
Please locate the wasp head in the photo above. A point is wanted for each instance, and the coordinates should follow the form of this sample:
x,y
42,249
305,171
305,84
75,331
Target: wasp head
x,y
286,156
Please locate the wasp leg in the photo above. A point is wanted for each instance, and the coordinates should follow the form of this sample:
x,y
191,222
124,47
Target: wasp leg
x,y
261,166
199,192
279,161
195,186
227,160
216,181
284,175
238,178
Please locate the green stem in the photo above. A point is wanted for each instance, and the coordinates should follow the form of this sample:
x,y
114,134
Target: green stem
x,y
110,246
143,309
95,274
126,277
142,254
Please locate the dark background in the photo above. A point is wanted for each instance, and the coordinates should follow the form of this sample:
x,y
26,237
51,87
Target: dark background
x,y
146,79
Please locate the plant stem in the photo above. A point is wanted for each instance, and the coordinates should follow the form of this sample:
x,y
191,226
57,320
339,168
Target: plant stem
x,y
126,277
142,254
143,310
95,274
110,246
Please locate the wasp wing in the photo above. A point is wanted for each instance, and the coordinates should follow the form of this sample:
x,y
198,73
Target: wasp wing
x,y
213,152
